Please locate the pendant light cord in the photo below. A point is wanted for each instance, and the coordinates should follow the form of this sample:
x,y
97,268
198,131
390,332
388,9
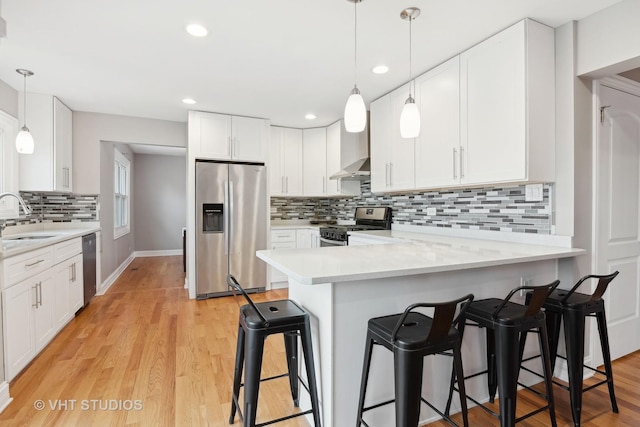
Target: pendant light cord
x,y
410,49
24,123
355,42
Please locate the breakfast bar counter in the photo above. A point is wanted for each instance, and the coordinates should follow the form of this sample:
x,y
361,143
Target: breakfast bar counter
x,y
343,287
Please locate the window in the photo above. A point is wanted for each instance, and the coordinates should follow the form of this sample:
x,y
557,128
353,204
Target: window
x,y
121,190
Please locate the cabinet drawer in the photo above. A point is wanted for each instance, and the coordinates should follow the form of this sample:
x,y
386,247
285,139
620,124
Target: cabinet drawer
x,y
67,249
283,236
26,265
283,245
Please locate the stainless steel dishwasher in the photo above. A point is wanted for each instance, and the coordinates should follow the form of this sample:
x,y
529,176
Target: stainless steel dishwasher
x,y
89,266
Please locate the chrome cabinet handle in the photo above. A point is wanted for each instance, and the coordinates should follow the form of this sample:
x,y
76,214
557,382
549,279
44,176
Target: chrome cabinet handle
x,y
40,288
455,154
231,215
229,146
34,263
282,184
386,174
324,185
391,174
461,162
35,291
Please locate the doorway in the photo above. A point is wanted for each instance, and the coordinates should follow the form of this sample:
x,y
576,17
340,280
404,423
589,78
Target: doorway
x,y
617,209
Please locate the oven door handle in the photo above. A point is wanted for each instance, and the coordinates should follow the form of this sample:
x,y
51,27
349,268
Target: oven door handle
x,y
333,242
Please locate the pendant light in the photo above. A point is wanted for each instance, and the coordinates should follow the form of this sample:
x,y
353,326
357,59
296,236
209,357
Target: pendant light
x,y
355,113
24,140
410,116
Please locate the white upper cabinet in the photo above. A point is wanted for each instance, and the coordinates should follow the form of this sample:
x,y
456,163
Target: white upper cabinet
x,y
487,117
50,167
285,162
392,157
314,162
438,145
224,137
380,111
507,103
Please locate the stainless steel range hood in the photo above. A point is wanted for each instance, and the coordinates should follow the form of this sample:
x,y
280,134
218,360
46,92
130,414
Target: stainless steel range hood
x,y
357,170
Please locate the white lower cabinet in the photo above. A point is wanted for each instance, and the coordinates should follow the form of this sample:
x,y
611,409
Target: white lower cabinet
x,y
39,299
291,238
19,337
69,292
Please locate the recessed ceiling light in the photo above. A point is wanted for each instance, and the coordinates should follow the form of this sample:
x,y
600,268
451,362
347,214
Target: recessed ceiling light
x,y
380,69
189,101
197,30
310,116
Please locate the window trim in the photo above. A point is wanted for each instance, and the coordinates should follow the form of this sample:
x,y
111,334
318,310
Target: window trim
x,y
122,164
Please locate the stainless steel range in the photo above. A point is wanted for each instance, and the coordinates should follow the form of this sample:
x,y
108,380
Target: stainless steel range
x,y
378,218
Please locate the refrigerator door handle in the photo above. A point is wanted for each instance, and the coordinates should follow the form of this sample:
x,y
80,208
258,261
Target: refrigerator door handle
x,y
230,215
226,218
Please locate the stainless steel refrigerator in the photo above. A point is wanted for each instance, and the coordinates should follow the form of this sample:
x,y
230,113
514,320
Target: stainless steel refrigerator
x,y
231,225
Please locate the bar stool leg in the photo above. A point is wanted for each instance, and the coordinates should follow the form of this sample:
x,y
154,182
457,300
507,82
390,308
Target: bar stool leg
x,y
574,338
408,387
492,378
606,355
553,321
255,347
457,361
237,375
507,370
291,349
366,364
307,349
543,341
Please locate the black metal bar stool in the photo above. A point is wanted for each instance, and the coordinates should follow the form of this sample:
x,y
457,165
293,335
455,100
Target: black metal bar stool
x,y
504,322
257,321
411,336
573,308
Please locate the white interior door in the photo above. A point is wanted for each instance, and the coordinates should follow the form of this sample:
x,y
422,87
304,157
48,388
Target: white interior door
x,y
617,245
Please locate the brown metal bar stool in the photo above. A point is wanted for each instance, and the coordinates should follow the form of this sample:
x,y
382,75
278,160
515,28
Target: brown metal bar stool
x,y
411,336
504,322
572,308
257,321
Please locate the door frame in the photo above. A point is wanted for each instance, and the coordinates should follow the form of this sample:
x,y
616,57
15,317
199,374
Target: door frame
x,y
632,87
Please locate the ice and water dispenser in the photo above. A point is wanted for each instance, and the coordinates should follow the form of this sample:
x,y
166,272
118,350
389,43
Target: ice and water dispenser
x,y
212,217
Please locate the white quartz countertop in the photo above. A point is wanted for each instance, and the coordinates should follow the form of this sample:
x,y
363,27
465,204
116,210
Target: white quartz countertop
x,y
12,244
416,254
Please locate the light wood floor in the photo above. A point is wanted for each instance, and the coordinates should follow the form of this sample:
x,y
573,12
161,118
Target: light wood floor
x,y
146,341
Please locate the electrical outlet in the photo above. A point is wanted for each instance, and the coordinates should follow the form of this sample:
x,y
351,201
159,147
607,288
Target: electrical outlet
x,y
431,211
525,281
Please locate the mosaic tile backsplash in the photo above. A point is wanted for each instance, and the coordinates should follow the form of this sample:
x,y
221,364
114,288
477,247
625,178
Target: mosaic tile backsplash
x,y
496,209
57,207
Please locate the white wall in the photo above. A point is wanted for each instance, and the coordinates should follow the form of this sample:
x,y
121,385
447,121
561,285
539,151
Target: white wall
x,y
160,201
608,40
91,128
8,99
114,252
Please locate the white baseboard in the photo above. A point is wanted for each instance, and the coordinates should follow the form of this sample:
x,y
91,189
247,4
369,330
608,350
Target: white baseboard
x,y
144,254
104,287
5,399
562,372
279,285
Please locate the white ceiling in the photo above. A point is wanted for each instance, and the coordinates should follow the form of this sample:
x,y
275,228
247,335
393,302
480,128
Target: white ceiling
x,y
277,59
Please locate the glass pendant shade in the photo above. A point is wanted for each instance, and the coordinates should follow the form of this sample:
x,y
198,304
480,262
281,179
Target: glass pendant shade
x,y
24,141
410,119
355,112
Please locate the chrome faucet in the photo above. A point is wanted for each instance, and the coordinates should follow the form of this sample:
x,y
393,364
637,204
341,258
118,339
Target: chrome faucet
x,y
25,207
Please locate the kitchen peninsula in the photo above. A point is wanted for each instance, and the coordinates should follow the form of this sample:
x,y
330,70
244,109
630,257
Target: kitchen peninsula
x,y
343,287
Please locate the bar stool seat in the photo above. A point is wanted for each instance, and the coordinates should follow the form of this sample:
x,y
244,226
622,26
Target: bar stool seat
x,y
572,308
504,322
411,336
257,321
